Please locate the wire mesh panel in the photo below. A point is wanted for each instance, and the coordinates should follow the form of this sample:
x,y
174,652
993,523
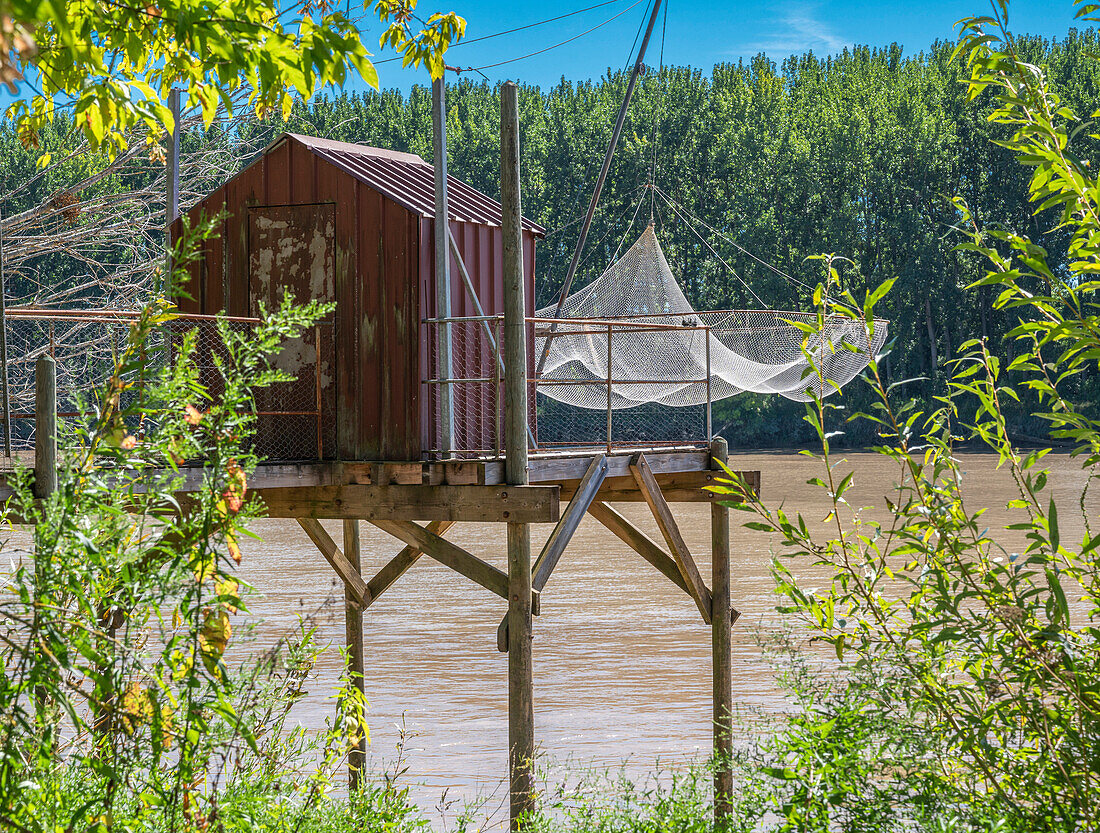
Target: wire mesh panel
x,y
649,425
475,384
86,347
569,407
622,383
296,419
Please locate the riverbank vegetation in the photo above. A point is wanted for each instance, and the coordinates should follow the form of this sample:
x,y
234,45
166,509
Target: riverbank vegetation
x,y
973,651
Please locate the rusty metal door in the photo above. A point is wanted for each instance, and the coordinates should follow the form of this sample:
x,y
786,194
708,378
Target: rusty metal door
x,y
290,249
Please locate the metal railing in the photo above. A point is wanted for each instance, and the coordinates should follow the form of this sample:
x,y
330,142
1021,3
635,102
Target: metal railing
x,y
593,414
86,345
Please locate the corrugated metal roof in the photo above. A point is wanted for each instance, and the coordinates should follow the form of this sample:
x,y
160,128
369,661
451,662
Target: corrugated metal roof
x,y
406,179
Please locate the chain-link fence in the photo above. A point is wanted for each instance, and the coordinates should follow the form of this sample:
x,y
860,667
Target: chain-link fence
x,y
293,423
570,407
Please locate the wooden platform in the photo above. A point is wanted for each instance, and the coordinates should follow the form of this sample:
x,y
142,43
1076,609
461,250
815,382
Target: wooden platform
x,y
684,470
463,490
457,490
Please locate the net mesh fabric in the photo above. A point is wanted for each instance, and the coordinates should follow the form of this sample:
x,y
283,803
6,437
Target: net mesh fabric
x,y
659,346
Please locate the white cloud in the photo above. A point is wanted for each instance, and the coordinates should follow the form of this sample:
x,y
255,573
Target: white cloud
x,y
800,28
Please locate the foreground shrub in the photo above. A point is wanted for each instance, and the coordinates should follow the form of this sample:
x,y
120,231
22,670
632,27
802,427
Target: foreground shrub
x,y
981,643
116,699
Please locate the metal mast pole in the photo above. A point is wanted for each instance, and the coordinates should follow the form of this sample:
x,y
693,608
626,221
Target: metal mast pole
x,y
575,262
442,267
172,206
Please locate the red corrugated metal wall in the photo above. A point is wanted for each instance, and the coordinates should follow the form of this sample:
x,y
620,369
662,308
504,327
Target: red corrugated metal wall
x,y
376,324
384,285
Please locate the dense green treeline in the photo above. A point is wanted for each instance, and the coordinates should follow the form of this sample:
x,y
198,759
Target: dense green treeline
x,y
857,154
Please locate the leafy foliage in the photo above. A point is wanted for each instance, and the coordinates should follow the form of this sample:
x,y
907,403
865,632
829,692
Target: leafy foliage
x,y
116,630
116,62
991,655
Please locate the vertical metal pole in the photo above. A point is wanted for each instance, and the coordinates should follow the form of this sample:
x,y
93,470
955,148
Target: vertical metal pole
x,y
498,366
521,715
4,345
172,185
721,621
710,429
45,426
608,388
442,265
353,634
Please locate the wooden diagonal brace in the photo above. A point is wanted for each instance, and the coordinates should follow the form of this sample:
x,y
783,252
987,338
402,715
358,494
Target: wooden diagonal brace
x,y
344,568
574,513
400,563
559,539
451,555
647,484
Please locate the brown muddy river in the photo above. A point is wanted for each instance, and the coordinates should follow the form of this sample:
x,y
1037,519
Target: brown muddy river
x,y
622,658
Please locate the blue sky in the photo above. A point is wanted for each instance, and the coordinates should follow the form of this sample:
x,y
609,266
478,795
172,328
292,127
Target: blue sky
x,y
703,34
698,33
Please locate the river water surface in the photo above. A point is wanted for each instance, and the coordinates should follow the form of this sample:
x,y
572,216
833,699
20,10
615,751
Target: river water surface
x,y
621,656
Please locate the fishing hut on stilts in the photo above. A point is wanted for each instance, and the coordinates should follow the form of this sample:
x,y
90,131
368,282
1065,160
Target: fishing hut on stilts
x,y
424,392
436,394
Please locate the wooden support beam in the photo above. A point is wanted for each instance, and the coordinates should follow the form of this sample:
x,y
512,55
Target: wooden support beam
x,y
388,474
677,487
450,555
353,636
492,504
472,472
638,541
521,710
400,563
722,619
344,568
643,476
45,426
559,539
552,467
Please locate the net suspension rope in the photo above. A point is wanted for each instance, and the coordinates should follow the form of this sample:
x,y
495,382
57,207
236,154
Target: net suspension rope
x,y
637,339
661,348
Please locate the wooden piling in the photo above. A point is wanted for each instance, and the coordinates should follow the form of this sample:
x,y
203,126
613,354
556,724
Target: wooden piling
x,y
521,716
353,633
45,469
45,426
721,623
